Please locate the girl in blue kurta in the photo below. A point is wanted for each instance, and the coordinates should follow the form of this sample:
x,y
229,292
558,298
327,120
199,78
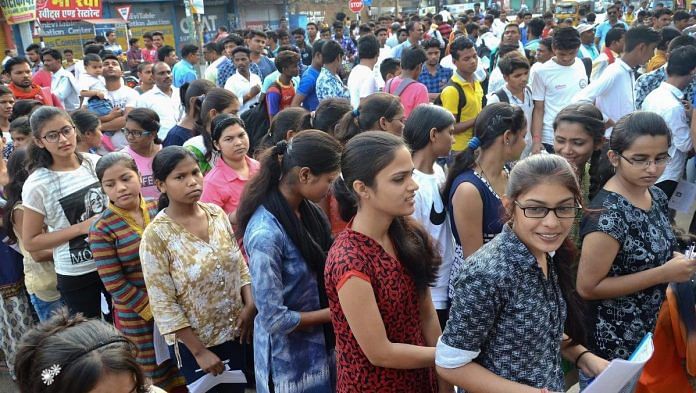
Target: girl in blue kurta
x,y
287,237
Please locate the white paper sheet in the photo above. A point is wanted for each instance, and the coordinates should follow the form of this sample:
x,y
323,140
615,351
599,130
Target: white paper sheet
x,y
208,381
161,347
683,197
621,374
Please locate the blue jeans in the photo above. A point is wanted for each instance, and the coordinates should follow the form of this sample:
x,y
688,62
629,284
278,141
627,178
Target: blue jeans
x,y
45,309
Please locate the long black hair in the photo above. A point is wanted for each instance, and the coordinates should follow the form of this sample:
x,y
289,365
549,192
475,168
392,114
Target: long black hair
x,y
491,123
289,119
590,118
40,157
625,132
17,171
422,119
329,113
310,232
544,169
368,113
218,99
147,119
363,158
164,163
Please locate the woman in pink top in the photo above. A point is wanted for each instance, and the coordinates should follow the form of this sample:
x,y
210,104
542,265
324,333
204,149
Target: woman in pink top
x,y
140,131
223,185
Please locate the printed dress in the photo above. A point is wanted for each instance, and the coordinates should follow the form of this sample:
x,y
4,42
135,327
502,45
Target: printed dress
x,y
356,255
114,241
646,241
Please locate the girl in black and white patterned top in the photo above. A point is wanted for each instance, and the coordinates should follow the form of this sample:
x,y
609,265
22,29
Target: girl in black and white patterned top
x,y
627,252
514,301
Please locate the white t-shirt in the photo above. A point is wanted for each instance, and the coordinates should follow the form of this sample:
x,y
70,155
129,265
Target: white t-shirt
x,y
556,85
67,198
89,82
123,98
361,83
240,86
432,214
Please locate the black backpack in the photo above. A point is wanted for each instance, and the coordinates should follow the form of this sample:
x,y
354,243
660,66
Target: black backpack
x,y
256,121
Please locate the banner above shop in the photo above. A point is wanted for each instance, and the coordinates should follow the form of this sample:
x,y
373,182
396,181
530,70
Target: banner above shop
x,y
18,11
66,10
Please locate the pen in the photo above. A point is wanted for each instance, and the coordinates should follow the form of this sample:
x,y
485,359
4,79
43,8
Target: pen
x,y
200,369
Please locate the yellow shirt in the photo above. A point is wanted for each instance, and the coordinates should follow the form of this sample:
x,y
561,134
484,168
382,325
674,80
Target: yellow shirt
x,y
657,61
450,101
193,283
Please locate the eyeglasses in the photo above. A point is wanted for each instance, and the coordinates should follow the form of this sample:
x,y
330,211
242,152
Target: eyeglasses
x,y
541,211
136,133
645,164
54,136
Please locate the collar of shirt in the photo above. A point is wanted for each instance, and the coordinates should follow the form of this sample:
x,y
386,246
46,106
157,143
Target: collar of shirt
x,y
626,67
678,94
516,100
156,90
461,79
518,254
230,174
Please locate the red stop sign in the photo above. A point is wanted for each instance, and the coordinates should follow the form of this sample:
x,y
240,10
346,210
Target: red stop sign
x,y
355,5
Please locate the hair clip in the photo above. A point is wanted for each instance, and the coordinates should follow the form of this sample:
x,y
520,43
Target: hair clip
x,y
48,375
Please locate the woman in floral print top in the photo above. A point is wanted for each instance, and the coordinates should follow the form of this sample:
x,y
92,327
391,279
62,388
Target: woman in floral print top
x,y
628,245
196,278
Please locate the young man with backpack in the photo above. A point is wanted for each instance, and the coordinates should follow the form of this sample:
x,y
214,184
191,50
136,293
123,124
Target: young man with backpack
x,y
515,70
463,95
406,86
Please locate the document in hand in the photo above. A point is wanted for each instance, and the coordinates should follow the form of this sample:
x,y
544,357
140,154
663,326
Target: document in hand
x,y
622,375
208,381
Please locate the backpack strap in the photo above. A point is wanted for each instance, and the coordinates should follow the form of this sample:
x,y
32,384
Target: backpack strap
x,y
402,86
502,96
462,99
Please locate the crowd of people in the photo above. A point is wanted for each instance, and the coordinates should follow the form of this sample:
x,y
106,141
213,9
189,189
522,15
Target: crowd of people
x,y
412,204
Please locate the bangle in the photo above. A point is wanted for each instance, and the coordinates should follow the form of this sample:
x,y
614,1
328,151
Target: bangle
x,y
577,359
536,138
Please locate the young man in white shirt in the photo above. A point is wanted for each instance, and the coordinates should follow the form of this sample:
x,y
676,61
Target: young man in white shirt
x,y
122,98
668,102
555,83
163,99
361,81
243,83
63,83
613,92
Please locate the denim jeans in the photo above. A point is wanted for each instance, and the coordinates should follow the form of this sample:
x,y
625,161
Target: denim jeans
x,y
45,309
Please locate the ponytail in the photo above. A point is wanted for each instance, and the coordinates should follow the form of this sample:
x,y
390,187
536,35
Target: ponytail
x,y
493,121
266,180
162,202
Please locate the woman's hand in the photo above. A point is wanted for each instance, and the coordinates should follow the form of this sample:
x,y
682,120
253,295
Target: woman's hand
x,y
245,324
86,224
592,365
209,362
679,268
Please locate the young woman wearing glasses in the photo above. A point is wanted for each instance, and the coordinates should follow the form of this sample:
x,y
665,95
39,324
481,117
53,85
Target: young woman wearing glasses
x,y
141,133
63,194
514,311
628,245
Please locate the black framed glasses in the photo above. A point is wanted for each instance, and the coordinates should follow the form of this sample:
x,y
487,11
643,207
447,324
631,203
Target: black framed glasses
x,y
542,211
54,136
135,133
645,164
